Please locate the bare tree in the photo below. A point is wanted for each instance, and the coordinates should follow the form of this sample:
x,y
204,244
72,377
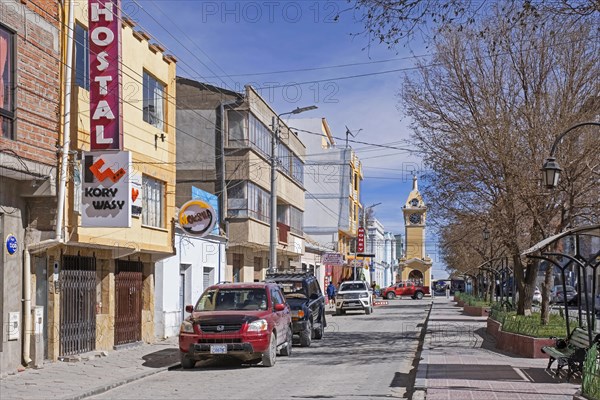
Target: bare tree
x,y
485,113
392,22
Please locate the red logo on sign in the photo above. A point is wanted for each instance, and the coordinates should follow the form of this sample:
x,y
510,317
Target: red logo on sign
x,y
360,243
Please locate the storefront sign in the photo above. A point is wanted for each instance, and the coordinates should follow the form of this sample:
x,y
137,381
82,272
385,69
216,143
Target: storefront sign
x,y
105,78
106,190
11,244
197,218
199,194
360,241
332,259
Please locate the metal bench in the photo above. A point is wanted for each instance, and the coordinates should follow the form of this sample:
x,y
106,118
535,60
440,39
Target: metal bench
x,y
569,352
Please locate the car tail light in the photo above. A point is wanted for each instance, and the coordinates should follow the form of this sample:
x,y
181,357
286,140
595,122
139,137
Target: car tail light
x,y
297,314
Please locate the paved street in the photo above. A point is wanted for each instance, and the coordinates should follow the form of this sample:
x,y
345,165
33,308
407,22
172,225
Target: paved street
x,y
362,356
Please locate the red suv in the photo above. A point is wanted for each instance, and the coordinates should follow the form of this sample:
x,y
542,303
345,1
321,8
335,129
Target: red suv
x,y
247,321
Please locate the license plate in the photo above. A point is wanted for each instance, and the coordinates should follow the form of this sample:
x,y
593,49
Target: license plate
x,y
218,349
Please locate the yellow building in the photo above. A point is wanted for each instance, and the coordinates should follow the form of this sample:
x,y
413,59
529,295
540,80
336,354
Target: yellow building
x,y
347,237
415,265
100,281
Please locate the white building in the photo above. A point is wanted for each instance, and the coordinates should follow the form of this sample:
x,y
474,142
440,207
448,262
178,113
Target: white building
x,y
375,242
390,257
181,279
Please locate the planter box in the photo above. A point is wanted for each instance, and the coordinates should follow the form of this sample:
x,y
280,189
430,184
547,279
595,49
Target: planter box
x,y
476,311
493,327
520,345
460,303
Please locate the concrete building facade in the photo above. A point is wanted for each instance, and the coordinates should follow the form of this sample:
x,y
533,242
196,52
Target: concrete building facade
x,y
94,285
375,244
233,161
333,182
181,279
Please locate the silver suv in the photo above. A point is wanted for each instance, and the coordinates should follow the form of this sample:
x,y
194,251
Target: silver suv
x,y
353,295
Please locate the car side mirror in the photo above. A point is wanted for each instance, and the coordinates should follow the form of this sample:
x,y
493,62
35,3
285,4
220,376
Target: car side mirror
x,y
189,308
279,307
314,296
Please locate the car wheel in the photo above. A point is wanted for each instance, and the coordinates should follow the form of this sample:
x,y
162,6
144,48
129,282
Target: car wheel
x,y
287,349
368,310
390,295
186,362
321,329
419,295
306,335
270,356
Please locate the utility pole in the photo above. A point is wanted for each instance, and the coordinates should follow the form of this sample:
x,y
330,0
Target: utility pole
x,y
274,142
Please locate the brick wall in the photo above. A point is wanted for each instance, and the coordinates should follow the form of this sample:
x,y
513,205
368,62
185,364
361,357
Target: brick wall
x,y
37,48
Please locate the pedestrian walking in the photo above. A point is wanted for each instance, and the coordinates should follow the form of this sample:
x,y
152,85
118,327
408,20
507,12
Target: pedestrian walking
x,y
331,292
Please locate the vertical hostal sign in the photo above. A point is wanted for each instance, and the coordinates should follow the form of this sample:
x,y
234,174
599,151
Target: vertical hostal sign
x,y
106,132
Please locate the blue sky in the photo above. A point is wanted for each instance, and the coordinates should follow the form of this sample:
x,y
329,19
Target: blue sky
x,y
215,41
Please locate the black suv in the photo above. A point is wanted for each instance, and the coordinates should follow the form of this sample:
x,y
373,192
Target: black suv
x,y
305,298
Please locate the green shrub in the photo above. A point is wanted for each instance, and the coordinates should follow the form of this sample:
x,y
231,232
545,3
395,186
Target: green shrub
x,y
530,325
590,386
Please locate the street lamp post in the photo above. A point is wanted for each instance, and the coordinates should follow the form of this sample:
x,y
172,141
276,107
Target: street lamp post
x,y
551,170
273,219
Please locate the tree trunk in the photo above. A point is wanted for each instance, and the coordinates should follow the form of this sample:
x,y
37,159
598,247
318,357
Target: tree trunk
x,y
526,285
546,287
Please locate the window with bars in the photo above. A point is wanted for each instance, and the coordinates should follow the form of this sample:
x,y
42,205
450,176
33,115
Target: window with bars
x,y
153,207
7,86
153,101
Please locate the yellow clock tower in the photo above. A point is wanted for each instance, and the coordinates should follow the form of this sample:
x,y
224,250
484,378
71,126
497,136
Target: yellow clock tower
x,y
415,265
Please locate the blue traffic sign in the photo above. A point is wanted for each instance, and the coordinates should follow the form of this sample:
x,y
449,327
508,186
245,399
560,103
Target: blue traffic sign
x,y
11,244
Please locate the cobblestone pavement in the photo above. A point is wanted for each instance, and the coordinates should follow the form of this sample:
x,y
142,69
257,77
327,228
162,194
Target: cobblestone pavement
x,y
75,380
459,361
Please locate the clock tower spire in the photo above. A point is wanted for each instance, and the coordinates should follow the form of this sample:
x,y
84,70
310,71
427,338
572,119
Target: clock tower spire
x,y
416,265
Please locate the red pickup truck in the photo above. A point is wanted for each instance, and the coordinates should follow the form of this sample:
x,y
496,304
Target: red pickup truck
x,y
405,289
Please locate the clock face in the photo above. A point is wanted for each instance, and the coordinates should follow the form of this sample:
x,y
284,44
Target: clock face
x,y
415,218
414,202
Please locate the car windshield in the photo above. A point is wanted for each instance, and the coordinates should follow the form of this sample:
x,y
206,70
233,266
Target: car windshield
x,y
232,299
352,286
292,289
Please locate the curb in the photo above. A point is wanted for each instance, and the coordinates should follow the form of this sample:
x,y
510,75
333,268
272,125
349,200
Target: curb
x,y
420,385
107,387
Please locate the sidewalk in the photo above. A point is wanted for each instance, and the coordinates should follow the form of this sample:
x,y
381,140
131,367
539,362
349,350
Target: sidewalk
x,y
459,361
77,380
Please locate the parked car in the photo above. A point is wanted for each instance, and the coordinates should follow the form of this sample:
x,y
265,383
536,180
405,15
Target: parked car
x,y
247,321
537,296
307,303
353,295
405,289
557,295
595,303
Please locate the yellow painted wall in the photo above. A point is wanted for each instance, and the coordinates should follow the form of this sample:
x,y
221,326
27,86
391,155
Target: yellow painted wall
x,y
155,159
415,242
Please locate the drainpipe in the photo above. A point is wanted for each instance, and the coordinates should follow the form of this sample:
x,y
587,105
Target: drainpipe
x,y
58,233
60,208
